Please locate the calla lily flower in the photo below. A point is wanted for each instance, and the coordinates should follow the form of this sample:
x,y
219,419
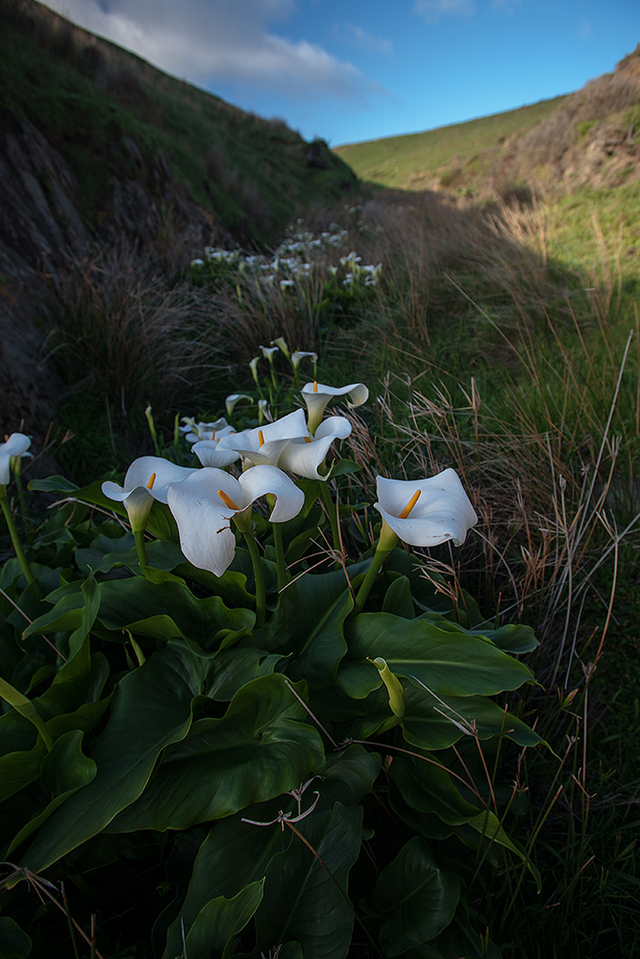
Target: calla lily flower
x,y
317,395
304,455
281,343
426,512
300,355
146,479
269,352
194,431
204,503
233,399
210,453
254,368
264,445
15,445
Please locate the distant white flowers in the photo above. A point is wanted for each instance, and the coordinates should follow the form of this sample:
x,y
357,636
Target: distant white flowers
x,y
294,262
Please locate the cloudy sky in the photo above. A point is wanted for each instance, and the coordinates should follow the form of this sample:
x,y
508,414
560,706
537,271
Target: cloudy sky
x,y
350,70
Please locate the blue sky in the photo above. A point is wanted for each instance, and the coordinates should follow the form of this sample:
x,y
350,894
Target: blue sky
x,y
349,70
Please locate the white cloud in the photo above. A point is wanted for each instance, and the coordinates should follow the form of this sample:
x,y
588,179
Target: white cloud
x,y
231,41
367,41
434,10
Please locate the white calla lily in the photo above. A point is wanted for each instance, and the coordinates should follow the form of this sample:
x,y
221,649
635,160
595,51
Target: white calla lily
x,y
426,512
15,445
299,355
233,399
146,480
317,395
264,445
269,352
210,453
194,431
205,502
306,454
282,345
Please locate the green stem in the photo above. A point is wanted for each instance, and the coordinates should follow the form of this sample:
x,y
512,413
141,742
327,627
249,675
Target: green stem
x,y
258,573
333,519
283,578
13,533
365,587
141,548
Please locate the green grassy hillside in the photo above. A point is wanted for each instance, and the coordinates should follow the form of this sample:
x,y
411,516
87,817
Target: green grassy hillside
x,y
415,160
89,97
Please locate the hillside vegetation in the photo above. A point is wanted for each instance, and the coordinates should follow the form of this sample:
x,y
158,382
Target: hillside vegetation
x,y
588,137
109,114
493,321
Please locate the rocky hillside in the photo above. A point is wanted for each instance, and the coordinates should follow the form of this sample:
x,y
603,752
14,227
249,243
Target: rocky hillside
x,y
97,147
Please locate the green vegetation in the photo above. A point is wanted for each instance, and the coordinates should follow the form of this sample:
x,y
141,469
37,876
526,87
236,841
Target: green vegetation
x,y
498,338
417,160
110,114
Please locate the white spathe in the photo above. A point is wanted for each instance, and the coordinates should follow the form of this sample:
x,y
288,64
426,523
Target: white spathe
x,y
317,395
203,516
264,445
16,445
442,511
304,456
147,478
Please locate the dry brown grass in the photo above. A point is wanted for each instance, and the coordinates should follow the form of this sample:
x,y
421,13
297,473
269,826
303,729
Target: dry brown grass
x,y
119,330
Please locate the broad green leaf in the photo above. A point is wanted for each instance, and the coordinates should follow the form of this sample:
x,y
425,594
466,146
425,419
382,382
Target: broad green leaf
x,y
301,901
448,664
428,787
398,599
220,921
233,668
318,658
18,769
65,769
259,749
416,898
14,942
53,484
233,855
512,638
150,710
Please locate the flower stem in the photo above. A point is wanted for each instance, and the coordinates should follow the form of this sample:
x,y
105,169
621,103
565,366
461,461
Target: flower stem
x,y
283,578
258,573
386,543
141,547
13,533
333,519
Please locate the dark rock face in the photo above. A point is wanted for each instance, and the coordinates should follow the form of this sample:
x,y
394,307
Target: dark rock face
x,y
43,236
40,223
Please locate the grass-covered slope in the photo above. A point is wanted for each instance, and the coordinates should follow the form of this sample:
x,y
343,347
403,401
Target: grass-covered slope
x,y
419,160
90,98
586,139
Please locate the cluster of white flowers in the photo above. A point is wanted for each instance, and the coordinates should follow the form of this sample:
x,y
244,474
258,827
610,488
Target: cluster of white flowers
x,y
204,500
293,261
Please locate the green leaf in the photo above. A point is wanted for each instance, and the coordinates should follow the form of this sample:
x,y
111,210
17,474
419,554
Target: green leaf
x,y
259,749
420,897
53,484
319,656
398,599
150,710
220,921
447,664
14,942
65,769
302,902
